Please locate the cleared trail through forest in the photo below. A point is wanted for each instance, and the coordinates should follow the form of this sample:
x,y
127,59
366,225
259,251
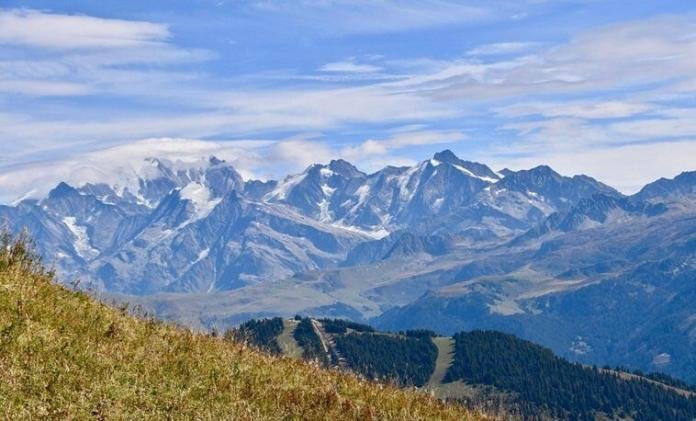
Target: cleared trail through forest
x,y
445,356
286,340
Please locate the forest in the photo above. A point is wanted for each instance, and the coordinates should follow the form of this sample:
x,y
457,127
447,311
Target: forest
x,y
307,338
405,360
260,333
342,326
547,383
523,376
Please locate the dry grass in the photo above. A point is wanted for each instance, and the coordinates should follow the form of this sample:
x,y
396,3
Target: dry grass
x,y
65,355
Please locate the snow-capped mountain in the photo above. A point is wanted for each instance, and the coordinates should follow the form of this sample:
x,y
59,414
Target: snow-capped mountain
x,y
446,243
202,228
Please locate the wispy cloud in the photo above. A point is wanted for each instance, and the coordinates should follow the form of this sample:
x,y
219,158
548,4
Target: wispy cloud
x,y
123,164
599,89
500,48
626,167
599,109
369,17
400,140
46,30
616,56
349,66
74,55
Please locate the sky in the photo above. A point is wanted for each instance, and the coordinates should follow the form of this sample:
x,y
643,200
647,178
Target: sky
x,y
603,88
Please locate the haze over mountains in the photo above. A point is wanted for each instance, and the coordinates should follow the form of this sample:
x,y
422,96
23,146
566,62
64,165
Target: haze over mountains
x,y
446,244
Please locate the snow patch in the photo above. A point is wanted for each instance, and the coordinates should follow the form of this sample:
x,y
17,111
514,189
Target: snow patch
x,y
328,191
405,193
377,233
202,255
471,174
324,215
434,162
201,199
81,240
283,190
326,172
437,203
580,347
506,307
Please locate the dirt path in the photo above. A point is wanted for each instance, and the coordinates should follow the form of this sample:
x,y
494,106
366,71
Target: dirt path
x,y
319,330
287,342
328,343
445,356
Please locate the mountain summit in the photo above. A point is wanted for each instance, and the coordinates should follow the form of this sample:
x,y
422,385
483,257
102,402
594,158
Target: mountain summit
x,y
445,244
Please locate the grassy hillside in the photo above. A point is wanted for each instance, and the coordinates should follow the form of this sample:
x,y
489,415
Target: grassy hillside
x,y
62,354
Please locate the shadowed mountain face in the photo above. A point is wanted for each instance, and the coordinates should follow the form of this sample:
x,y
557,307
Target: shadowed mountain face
x,y
446,244
205,229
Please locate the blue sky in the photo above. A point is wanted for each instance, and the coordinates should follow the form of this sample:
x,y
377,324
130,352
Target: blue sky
x,y
606,88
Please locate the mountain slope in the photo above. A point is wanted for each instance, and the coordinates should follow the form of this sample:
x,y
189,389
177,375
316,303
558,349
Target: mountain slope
x,y
168,227
484,367
446,241
681,187
614,293
63,355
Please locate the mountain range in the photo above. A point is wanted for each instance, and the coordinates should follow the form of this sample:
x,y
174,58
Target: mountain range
x,y
447,244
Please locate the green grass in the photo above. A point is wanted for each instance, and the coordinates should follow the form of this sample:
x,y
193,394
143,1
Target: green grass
x,y
65,355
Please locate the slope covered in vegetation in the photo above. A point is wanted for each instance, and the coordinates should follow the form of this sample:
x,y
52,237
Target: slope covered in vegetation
x,y
504,374
260,333
62,354
402,359
546,382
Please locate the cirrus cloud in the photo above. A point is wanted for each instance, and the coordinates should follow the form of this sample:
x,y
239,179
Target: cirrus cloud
x,y
48,30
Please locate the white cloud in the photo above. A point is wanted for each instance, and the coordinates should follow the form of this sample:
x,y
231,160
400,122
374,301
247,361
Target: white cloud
x,y
122,164
625,55
43,88
349,66
75,55
500,48
373,150
627,168
532,96
370,17
294,155
47,30
599,109
669,123
325,108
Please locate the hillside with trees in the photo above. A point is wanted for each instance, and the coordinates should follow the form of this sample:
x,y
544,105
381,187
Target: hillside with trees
x,y
493,370
307,338
260,333
406,360
547,383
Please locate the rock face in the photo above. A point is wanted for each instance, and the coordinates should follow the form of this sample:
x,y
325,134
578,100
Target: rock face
x,y
446,244
204,229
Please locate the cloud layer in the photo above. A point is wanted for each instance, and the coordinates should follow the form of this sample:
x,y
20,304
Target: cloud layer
x,y
46,30
71,84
